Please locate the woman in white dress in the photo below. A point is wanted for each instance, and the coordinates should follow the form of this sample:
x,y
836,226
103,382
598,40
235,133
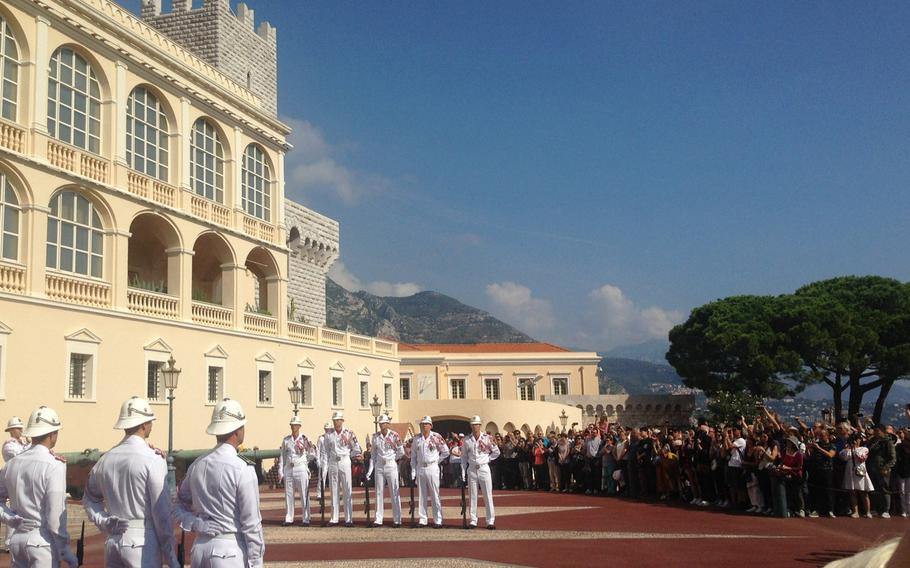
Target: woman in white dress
x,y
856,478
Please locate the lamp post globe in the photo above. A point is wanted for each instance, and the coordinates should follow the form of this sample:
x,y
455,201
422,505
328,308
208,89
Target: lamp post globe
x,y
376,408
171,376
296,393
563,419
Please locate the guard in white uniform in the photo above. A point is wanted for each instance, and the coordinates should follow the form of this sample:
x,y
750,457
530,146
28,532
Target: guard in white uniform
x,y
479,450
387,449
340,446
219,498
294,470
35,483
428,450
17,443
127,496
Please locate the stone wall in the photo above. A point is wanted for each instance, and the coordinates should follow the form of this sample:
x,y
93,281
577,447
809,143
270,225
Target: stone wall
x,y
313,244
632,409
229,42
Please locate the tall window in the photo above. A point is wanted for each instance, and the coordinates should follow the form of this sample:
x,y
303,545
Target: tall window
x,y
336,391
154,385
79,375
74,235
215,385
306,393
9,65
74,101
405,389
491,388
207,162
265,387
9,220
256,186
526,389
364,394
560,386
146,134
457,388
387,395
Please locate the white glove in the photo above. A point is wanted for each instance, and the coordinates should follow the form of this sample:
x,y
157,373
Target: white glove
x,y
370,473
70,558
205,528
463,480
115,525
280,477
413,475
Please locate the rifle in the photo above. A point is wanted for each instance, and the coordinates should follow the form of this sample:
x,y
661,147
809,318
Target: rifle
x,y
464,507
80,546
413,483
181,548
366,503
322,497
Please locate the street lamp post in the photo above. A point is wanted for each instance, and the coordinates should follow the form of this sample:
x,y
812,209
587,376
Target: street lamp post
x,y
171,375
375,408
563,419
296,393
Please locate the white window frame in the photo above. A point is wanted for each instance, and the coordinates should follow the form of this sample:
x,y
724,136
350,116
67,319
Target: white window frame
x,y
58,106
306,369
8,42
553,380
59,225
464,382
82,343
138,144
525,378
218,170
388,395
364,393
498,379
340,403
6,206
153,355
215,358
406,377
256,183
265,365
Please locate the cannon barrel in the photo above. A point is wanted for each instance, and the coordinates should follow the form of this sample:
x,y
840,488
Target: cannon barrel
x,y
78,464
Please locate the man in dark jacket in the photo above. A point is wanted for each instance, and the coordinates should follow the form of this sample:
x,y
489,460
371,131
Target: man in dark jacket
x,y
881,459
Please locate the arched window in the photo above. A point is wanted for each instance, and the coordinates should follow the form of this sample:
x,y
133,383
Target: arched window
x,y
9,219
74,101
146,134
74,235
207,162
9,65
257,182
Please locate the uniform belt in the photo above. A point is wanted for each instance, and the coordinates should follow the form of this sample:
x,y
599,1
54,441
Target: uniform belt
x,y
136,523
225,536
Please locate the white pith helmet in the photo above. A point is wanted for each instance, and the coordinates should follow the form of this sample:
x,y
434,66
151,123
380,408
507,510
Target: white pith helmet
x,y
427,420
295,420
476,420
226,417
338,415
384,419
133,412
327,426
42,421
14,422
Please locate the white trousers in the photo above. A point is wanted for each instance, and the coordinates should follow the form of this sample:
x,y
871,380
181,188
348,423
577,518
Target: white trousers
x,y
428,488
136,548
480,475
31,550
339,479
296,480
387,475
219,552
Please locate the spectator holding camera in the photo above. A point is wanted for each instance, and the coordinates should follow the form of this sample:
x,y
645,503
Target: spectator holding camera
x,y
856,477
882,458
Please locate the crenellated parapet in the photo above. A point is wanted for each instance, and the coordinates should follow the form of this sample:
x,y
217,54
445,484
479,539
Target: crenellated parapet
x,y
313,242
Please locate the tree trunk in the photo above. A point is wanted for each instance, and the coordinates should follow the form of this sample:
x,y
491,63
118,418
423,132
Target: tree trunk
x,y
838,399
856,394
880,401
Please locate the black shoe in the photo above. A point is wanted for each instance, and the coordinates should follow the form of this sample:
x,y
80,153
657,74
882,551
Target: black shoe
x,y
332,525
437,526
286,524
491,527
471,527
396,525
348,525
304,524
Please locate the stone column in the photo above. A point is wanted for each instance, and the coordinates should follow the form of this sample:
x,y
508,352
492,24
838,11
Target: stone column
x,y
34,246
180,280
39,89
118,270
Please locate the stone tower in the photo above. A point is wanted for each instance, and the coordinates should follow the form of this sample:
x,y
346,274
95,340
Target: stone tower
x,y
313,240
231,43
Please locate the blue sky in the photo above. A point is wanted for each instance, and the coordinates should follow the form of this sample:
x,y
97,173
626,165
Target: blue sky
x,y
591,173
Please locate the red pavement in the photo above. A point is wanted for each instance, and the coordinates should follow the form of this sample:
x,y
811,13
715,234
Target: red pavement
x,y
816,542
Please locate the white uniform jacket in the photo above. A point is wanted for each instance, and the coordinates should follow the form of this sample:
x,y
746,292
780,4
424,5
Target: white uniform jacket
x,y
430,450
222,488
295,452
14,447
478,452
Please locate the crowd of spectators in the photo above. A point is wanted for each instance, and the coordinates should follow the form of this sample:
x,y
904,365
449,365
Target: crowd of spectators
x,y
766,466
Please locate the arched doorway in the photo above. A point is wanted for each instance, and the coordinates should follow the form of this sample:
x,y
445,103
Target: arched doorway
x,y
452,425
148,266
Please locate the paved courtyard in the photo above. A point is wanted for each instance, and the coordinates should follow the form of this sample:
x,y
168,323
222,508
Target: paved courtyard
x,y
543,530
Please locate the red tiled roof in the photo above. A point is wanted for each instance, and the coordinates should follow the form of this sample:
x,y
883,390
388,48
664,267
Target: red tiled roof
x,y
483,347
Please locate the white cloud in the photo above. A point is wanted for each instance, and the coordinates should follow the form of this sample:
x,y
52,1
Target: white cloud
x,y
314,165
616,320
344,277
517,305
